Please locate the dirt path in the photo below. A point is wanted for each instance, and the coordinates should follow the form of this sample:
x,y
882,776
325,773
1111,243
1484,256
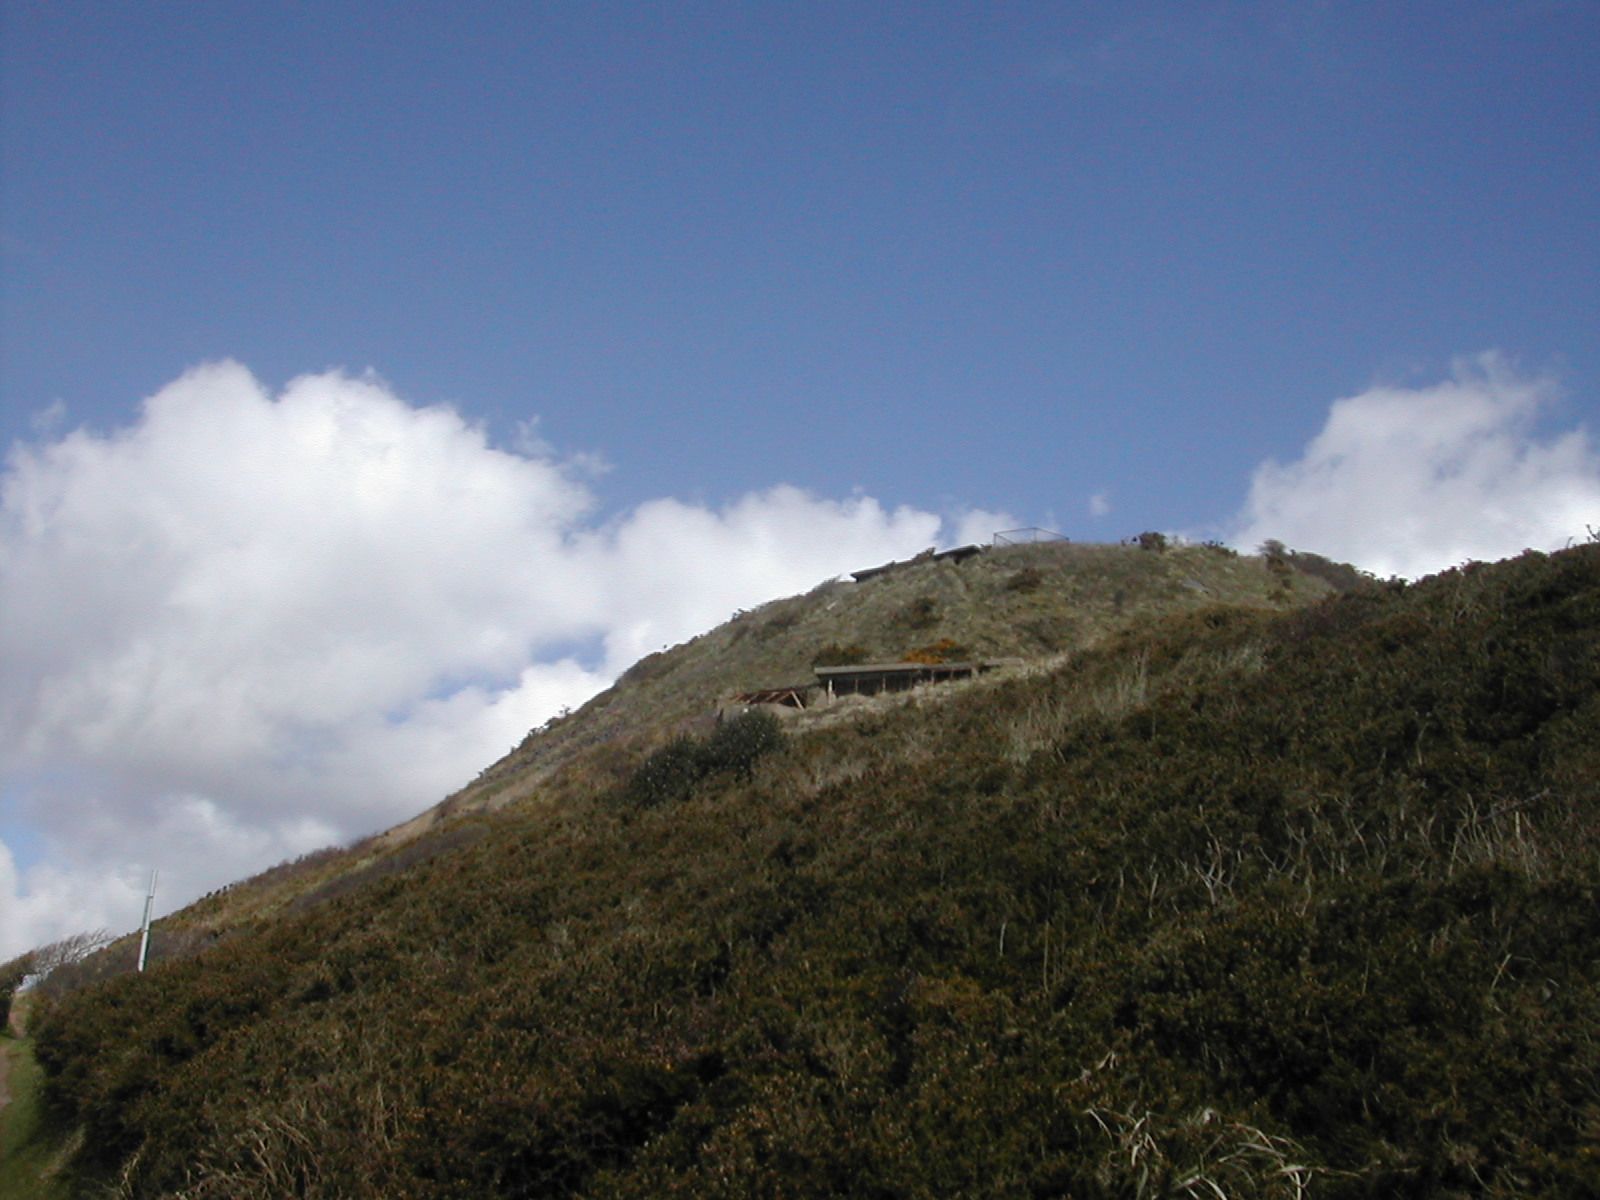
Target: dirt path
x,y
5,1058
5,1066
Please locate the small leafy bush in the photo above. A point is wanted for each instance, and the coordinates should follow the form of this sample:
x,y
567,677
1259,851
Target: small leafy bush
x,y
739,743
671,773
667,776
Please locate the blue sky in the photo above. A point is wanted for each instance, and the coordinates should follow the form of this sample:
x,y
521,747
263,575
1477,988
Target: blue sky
x,y
1000,255
625,315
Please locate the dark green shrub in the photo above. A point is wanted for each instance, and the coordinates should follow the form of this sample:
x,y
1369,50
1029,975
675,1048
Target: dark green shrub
x,y
739,742
1272,548
672,772
667,776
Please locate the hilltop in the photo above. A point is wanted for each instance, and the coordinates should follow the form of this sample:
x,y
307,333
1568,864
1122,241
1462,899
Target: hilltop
x,y
1229,895
1025,603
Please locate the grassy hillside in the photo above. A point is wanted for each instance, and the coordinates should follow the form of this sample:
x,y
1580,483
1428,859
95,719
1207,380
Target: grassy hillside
x,y
1025,602
1033,603
1238,901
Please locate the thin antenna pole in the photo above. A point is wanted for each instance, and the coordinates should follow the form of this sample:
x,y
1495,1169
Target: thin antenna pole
x,y
144,929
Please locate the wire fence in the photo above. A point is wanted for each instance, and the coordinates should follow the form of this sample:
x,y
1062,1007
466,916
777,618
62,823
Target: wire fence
x,y
1027,536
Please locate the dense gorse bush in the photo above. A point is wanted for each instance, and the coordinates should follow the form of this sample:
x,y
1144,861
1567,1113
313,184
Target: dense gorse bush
x,y
673,772
1239,904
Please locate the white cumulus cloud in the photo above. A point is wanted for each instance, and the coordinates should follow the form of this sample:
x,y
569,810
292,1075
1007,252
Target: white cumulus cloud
x,y
1410,480
249,624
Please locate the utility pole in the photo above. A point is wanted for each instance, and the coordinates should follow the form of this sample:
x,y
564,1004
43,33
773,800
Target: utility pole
x,y
144,930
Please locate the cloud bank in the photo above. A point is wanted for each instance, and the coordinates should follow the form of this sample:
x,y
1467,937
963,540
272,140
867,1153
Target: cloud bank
x,y
1408,481
249,625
